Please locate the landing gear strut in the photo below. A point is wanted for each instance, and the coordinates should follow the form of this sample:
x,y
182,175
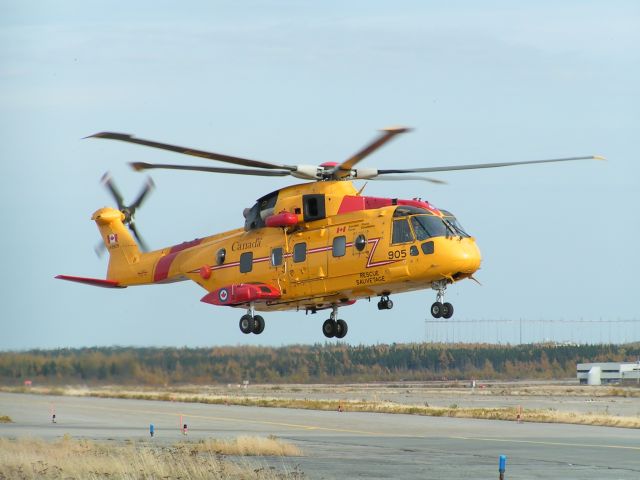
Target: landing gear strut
x,y
334,328
385,303
251,323
441,308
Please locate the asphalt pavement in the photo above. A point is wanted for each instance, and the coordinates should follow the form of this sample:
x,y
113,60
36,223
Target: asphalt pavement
x,y
347,444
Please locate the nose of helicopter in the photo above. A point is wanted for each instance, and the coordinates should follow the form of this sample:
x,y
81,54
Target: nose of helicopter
x,y
471,256
467,257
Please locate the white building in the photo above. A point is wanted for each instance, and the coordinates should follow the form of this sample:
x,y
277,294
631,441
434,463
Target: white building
x,y
609,372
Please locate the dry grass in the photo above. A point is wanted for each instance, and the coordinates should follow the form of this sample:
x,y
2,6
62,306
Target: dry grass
x,y
248,446
69,458
561,391
5,419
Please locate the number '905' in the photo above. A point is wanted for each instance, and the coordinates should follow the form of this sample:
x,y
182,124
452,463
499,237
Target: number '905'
x,y
396,254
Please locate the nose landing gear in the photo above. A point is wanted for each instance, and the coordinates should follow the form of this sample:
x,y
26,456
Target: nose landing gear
x,y
334,328
385,303
441,308
250,323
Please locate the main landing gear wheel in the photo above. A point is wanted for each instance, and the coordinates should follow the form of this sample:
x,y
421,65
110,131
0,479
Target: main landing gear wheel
x,y
258,326
441,308
251,323
329,328
342,328
247,324
385,303
436,310
334,328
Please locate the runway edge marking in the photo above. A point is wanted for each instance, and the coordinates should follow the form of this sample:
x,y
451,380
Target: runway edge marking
x,y
538,442
244,420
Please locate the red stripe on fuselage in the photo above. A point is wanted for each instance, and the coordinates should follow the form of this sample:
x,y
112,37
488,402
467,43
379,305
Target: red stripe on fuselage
x,y
164,264
370,263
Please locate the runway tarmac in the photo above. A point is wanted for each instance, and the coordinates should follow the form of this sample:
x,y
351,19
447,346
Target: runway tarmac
x,y
347,445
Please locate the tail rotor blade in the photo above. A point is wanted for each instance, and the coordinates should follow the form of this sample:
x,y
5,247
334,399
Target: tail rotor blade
x,y
128,211
148,187
100,249
141,242
107,181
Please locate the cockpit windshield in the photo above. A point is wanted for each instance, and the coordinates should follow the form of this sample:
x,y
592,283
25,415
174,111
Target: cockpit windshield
x,y
427,226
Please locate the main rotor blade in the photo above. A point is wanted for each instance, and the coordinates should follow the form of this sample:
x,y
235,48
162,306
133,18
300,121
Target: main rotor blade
x,y
125,137
386,134
139,166
108,182
148,187
344,169
486,165
408,177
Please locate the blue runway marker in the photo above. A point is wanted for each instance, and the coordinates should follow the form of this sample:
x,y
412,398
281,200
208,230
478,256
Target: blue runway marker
x,y
502,466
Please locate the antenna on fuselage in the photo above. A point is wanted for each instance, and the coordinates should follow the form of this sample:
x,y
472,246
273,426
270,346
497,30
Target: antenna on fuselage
x,y
360,191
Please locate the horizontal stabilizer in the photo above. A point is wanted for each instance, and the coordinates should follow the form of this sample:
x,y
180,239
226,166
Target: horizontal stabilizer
x,y
96,282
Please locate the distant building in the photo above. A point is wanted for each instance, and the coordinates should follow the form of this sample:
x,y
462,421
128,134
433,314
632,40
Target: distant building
x,y
608,372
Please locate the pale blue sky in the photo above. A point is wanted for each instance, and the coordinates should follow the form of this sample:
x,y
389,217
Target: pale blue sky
x,y
309,82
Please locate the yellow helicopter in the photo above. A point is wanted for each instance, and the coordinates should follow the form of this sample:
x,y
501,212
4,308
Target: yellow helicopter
x,y
313,246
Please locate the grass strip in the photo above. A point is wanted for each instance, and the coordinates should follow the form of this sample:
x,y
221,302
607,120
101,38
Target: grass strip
x,y
71,458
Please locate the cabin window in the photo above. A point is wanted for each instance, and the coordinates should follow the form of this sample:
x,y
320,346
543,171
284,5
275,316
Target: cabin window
x,y
360,242
401,231
313,207
413,251
220,256
339,246
300,252
276,257
246,262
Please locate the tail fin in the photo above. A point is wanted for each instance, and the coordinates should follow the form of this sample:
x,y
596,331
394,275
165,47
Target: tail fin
x,y
122,248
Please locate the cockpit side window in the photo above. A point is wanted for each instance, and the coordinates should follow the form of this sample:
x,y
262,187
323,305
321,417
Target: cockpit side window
x,y
255,216
252,218
401,231
428,226
453,221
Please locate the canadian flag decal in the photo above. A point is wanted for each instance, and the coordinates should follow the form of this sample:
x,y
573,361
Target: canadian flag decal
x,y
341,229
112,239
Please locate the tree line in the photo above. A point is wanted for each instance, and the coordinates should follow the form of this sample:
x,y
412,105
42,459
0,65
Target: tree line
x,y
323,363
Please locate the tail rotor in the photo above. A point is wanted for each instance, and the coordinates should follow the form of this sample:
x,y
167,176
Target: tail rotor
x,y
128,211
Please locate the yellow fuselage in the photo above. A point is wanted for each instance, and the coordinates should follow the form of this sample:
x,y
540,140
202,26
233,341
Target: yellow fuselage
x,y
342,257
